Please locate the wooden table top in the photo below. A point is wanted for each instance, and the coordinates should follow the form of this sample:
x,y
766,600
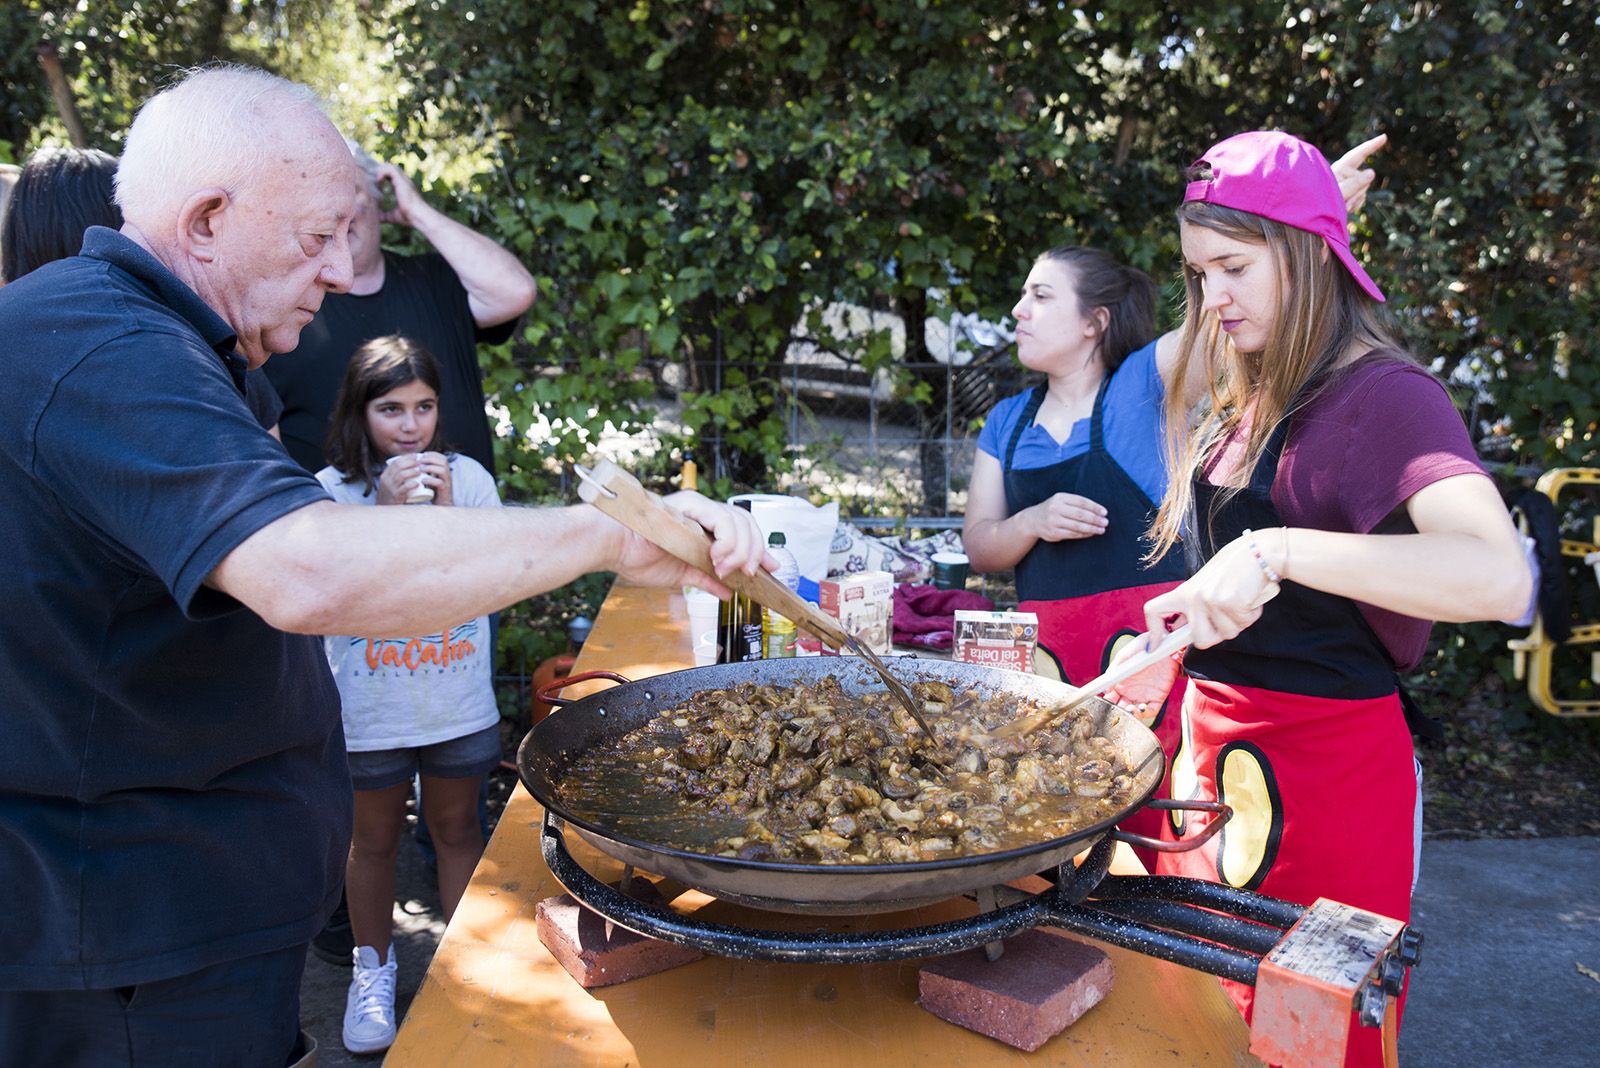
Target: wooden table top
x,y
494,996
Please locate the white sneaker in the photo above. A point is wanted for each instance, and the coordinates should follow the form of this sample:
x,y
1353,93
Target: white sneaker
x,y
369,1023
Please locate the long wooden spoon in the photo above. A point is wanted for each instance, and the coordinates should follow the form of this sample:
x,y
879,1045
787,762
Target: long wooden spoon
x,y
620,496
1174,641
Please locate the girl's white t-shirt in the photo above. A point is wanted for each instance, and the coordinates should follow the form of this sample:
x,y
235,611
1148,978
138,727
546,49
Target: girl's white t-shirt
x,y
399,693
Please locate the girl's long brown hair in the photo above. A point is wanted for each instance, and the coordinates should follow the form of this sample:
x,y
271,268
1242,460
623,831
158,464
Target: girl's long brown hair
x,y
1322,314
377,367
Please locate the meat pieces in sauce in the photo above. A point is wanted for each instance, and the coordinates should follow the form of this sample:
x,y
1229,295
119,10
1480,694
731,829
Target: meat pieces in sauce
x,y
820,775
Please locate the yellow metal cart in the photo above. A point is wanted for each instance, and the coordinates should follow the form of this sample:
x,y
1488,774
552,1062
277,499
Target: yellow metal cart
x,y
1533,655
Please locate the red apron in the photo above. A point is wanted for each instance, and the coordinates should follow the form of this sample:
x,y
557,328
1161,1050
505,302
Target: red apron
x,y
1297,724
1089,593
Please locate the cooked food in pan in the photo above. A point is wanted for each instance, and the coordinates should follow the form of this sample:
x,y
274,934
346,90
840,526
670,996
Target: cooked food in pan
x,y
811,773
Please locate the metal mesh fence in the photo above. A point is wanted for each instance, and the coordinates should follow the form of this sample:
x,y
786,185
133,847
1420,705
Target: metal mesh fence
x,y
893,444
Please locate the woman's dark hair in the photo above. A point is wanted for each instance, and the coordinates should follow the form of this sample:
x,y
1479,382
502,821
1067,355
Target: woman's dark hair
x,y
379,366
60,193
1126,293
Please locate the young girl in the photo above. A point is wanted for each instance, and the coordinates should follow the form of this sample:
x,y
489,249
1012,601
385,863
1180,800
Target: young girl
x,y
423,704
1330,493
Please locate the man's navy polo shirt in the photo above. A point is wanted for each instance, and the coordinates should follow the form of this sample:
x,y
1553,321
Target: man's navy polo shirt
x,y
173,784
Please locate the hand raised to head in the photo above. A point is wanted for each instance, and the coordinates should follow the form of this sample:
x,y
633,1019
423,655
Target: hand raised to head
x,y
406,198
1354,182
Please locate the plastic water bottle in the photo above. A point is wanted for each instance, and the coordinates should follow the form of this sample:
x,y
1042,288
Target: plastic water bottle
x,y
778,632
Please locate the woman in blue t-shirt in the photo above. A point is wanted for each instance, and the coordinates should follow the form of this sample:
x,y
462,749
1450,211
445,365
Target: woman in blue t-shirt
x,y
1067,475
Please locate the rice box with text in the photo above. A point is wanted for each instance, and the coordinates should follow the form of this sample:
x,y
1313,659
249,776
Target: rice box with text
x,y
863,604
996,639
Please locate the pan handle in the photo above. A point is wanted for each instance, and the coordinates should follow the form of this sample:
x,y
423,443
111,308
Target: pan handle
x,y
1224,812
548,694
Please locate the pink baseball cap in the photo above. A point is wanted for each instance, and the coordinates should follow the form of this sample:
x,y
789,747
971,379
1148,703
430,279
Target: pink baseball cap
x,y
1281,178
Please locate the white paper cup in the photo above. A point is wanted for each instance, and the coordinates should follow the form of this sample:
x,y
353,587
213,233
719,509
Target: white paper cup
x,y
703,608
419,494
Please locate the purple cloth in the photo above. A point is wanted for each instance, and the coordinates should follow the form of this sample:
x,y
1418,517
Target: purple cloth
x,y
1373,438
926,616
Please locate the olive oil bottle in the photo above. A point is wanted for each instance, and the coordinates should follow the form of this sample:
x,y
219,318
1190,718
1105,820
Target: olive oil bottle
x,y
748,644
739,624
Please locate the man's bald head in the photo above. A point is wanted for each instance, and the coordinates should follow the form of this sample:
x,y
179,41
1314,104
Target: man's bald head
x,y
214,128
238,183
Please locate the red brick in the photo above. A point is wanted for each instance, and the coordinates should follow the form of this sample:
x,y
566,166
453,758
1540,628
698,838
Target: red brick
x,y
1040,985
577,938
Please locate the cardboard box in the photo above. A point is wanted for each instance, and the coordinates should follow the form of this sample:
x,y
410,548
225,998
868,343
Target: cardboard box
x,y
864,606
997,639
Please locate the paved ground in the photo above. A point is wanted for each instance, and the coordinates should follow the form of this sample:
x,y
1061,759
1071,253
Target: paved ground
x,y
1509,928
418,928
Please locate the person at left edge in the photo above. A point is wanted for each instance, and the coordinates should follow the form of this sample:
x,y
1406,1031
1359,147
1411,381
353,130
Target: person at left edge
x,y
174,796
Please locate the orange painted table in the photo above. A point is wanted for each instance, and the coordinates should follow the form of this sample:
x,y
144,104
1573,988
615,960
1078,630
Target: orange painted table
x,y
494,996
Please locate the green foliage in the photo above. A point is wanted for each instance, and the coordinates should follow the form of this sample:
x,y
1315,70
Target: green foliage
x,y
701,180
26,95
117,53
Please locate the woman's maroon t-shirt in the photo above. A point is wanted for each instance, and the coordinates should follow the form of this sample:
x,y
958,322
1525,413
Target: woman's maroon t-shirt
x,y
1377,434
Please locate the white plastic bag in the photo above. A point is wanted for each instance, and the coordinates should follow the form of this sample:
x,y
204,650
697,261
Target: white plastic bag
x,y
807,528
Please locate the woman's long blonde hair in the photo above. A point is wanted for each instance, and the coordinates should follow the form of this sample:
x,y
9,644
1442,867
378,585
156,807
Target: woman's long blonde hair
x,y
1322,314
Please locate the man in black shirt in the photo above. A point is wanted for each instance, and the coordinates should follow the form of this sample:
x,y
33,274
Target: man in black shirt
x,y
471,290
174,800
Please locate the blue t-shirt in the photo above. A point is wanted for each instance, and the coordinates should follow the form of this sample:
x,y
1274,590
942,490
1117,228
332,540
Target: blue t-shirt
x,y
1133,427
173,784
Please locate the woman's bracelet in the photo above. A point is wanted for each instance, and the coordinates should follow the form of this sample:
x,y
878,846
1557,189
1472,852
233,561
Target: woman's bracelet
x,y
1261,561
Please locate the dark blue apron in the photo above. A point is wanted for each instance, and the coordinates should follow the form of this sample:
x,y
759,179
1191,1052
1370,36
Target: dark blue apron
x,y
1087,592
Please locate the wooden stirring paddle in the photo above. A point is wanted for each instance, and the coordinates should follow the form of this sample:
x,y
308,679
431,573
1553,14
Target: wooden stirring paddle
x,y
1174,641
620,496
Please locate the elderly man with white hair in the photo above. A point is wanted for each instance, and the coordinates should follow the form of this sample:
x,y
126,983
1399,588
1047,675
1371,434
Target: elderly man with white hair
x,y
174,799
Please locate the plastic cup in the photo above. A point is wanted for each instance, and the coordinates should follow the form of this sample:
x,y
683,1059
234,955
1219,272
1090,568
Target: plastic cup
x,y
949,571
703,608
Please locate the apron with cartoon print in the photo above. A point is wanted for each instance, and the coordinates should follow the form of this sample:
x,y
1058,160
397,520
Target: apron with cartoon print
x,y
1089,593
1297,724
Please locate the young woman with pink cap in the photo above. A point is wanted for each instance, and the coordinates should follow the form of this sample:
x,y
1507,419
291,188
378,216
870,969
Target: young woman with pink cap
x,y
1332,505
